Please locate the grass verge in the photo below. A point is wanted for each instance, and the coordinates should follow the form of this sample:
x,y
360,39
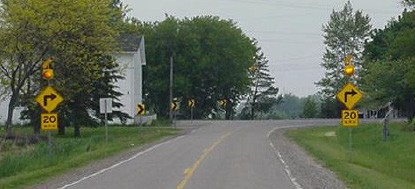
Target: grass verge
x,y
24,166
370,162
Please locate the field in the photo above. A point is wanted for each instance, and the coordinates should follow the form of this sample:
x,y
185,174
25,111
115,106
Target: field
x,y
369,162
25,165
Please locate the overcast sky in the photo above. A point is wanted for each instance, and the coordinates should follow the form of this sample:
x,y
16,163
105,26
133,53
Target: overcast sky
x,y
288,31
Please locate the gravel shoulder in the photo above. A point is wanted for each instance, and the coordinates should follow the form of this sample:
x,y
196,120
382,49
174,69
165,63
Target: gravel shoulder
x,y
305,170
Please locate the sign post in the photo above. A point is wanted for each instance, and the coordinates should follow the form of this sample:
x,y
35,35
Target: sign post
x,y
48,99
174,107
141,110
105,107
349,95
191,104
222,104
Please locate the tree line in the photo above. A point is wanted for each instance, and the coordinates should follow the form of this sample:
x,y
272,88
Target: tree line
x,y
212,58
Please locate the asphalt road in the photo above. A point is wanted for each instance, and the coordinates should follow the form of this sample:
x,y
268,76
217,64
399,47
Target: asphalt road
x,y
215,155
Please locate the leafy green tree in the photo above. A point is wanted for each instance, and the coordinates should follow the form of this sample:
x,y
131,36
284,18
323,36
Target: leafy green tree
x,y
211,57
76,33
389,65
344,34
387,81
160,46
310,109
330,108
262,95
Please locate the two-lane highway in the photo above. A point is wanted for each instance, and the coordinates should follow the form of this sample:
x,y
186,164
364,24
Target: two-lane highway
x,y
219,154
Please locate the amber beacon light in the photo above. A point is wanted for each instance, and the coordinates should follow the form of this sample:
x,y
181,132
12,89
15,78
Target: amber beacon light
x,y
47,74
47,71
348,66
349,70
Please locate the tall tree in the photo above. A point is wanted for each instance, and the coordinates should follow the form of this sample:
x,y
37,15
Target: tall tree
x,y
76,33
262,94
389,65
344,34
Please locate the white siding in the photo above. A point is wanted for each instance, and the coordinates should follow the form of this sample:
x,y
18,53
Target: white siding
x,y
131,86
4,105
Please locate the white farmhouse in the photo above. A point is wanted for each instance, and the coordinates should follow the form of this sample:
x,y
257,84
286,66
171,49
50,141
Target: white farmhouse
x,y
131,60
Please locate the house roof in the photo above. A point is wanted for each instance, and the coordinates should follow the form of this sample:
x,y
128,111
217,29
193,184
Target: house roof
x,y
130,42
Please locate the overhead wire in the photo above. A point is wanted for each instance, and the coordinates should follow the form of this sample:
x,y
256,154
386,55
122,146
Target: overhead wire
x,y
306,6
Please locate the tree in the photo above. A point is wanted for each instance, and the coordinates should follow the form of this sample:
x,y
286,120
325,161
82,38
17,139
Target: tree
x,y
76,33
344,34
160,46
389,65
262,95
211,57
330,108
409,3
290,108
310,108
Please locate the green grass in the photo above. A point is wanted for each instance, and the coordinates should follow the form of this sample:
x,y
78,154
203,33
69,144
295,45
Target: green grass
x,y
24,166
370,162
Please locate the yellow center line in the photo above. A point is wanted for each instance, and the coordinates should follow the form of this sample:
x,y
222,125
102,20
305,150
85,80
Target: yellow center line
x,y
188,173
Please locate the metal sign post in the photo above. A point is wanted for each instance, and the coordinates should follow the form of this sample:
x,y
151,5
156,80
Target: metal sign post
x,y
350,143
105,107
191,114
174,107
141,110
48,99
106,123
349,95
191,104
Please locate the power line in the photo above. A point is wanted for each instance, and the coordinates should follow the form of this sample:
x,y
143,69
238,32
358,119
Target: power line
x,y
297,58
285,33
285,70
309,7
288,42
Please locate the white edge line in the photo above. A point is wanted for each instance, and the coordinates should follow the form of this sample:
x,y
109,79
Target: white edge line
x,y
286,167
121,162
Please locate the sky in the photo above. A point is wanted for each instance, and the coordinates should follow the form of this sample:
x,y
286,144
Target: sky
x,y
289,32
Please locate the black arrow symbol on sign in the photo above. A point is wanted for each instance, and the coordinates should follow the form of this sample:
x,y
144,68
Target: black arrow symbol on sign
x,y
174,106
140,109
352,93
46,97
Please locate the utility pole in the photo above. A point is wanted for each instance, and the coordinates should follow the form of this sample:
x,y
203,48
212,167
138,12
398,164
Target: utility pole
x,y
171,89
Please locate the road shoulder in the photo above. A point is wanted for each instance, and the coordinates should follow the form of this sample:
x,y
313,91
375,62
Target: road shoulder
x,y
306,171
